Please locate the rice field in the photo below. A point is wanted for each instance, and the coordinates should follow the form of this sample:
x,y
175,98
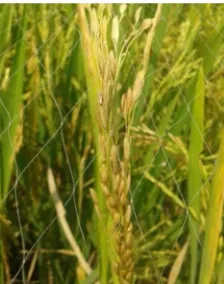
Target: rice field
x,y
111,143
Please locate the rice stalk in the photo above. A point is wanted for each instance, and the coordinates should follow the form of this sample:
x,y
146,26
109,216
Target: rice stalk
x,y
93,85
115,172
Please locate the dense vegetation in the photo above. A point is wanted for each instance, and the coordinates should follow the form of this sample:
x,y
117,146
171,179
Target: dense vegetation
x,y
111,143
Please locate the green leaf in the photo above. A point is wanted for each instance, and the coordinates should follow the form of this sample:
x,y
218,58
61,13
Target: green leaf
x,y
5,29
10,107
213,220
194,173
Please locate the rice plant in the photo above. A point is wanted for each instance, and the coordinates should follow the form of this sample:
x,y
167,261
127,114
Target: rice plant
x,y
111,143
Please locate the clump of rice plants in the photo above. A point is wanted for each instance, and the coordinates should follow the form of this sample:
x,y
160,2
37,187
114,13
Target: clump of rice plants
x,y
111,143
